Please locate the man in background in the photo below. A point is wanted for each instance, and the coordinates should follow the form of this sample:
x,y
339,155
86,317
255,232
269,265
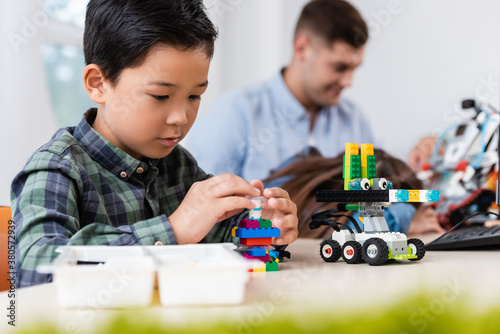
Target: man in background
x,y
260,128
257,128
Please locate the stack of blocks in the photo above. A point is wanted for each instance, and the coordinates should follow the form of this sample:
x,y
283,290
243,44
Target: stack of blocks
x,y
255,233
358,166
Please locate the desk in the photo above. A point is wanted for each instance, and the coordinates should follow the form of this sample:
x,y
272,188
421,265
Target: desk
x,y
304,283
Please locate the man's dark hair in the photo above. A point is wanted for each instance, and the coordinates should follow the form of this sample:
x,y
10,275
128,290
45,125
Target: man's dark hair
x,y
120,33
333,20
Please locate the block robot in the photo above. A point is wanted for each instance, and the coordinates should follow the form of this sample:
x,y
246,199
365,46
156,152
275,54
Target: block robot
x,y
368,194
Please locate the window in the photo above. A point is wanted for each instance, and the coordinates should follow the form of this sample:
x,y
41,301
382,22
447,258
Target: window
x,y
66,11
63,67
64,63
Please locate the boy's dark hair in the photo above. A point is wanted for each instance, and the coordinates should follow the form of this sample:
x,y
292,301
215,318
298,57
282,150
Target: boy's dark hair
x,y
333,20
120,33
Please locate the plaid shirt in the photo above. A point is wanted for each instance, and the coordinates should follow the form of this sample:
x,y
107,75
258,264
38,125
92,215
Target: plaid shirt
x,y
79,189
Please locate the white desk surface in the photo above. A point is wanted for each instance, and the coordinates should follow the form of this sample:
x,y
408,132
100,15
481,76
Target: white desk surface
x,y
305,281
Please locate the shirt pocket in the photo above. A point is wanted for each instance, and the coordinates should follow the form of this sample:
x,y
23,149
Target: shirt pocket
x,y
171,198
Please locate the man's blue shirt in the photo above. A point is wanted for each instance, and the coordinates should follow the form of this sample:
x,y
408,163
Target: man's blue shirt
x,y
251,131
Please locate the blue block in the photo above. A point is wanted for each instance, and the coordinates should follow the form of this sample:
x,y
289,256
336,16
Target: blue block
x,y
402,195
257,232
256,251
273,253
432,196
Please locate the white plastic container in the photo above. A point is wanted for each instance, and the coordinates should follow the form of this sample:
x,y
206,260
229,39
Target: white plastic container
x,y
123,276
102,276
201,274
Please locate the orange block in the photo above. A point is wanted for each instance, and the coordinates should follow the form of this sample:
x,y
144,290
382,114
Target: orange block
x,y
255,241
5,216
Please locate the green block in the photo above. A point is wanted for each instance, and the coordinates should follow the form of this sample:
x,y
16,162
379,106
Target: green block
x,y
347,177
265,223
343,167
355,168
371,167
272,266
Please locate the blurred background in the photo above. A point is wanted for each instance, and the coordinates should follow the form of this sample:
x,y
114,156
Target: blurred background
x,y
422,59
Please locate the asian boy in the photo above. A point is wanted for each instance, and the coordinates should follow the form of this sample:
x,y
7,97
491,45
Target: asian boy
x,y
119,177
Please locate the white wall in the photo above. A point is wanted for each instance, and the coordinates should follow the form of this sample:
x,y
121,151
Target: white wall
x,y
26,120
422,59
424,56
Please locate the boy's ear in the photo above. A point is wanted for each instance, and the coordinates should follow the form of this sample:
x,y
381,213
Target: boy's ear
x,y
93,79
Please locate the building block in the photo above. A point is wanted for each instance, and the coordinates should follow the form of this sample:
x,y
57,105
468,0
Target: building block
x,y
273,253
351,196
346,174
403,195
256,213
256,241
249,223
258,267
272,266
350,150
265,223
258,232
257,251
265,258
369,171
355,167
414,195
366,150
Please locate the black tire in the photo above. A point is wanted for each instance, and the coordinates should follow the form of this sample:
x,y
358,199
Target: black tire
x,y
329,250
351,252
417,247
375,251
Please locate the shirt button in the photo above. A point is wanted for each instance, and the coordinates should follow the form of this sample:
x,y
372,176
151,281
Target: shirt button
x,y
158,243
140,170
123,174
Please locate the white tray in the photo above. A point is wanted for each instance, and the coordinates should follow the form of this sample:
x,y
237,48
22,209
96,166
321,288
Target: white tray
x,y
201,274
198,274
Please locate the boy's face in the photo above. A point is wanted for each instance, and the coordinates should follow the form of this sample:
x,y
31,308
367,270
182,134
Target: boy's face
x,y
153,106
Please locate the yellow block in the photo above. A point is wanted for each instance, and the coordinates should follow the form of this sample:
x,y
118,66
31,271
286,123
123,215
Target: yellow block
x,y
350,149
259,267
414,195
366,149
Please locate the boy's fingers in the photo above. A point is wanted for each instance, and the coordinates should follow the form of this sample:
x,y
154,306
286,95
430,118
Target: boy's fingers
x,y
229,184
286,238
283,205
231,203
258,184
276,192
289,222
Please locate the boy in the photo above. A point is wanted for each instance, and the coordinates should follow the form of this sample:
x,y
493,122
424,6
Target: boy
x,y
119,177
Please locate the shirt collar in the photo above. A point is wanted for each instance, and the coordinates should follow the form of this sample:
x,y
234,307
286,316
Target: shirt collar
x,y
290,108
106,154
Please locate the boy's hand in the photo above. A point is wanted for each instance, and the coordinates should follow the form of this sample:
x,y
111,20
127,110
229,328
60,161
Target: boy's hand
x,y
281,211
208,202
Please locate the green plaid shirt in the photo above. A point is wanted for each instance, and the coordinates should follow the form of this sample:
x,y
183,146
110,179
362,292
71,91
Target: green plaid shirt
x,y
79,189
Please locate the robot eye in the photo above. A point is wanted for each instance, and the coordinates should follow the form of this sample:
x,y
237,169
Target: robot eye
x,y
382,184
365,184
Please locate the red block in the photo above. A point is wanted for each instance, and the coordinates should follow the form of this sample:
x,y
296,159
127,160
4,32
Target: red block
x,y
256,241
